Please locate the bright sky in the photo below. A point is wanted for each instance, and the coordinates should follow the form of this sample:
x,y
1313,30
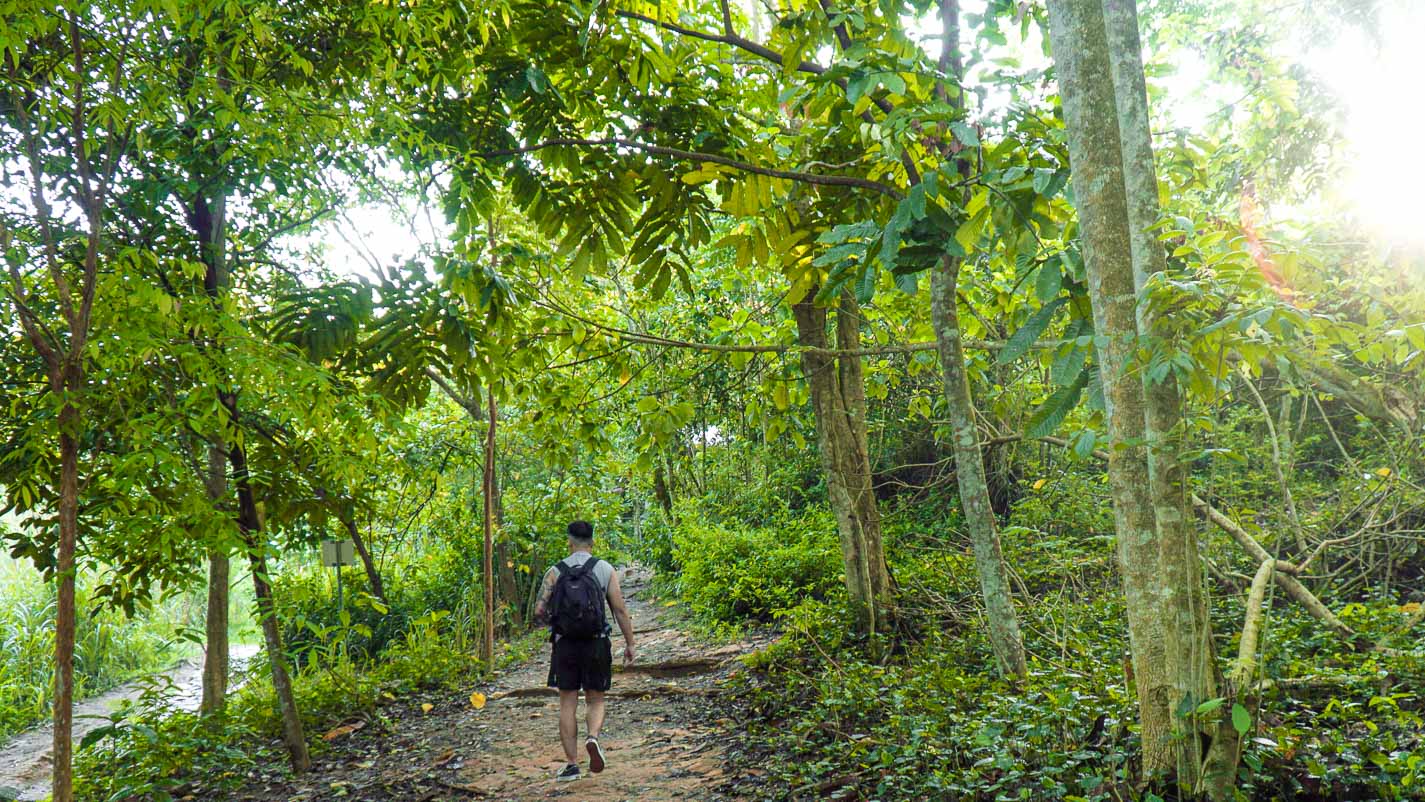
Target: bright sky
x,y
1383,186
1386,118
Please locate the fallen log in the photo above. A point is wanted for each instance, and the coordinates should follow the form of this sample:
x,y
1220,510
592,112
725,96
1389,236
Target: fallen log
x,y
672,668
622,693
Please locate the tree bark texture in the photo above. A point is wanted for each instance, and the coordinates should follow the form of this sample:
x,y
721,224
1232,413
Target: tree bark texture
x,y
215,623
251,526
1005,638
487,642
358,544
1081,58
975,499
208,220
1191,661
65,614
839,406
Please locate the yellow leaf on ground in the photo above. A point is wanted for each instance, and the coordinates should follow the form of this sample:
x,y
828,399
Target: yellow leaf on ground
x,y
670,602
477,700
1382,472
1040,483
1410,608
427,707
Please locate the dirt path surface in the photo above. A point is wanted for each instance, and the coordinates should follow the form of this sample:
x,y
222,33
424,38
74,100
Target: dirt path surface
x,y
659,738
25,759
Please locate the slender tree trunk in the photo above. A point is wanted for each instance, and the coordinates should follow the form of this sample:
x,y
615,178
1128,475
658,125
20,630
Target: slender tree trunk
x,y
251,527
1005,639
975,503
358,543
661,492
487,643
215,624
839,406
209,223
1081,59
65,615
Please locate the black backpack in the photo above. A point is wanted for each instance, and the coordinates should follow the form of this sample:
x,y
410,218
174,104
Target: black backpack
x,y
577,604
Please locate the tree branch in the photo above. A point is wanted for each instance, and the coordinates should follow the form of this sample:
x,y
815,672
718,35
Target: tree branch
x,y
727,39
790,175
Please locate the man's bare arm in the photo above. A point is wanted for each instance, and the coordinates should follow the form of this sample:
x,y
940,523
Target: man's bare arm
x,y
625,621
550,578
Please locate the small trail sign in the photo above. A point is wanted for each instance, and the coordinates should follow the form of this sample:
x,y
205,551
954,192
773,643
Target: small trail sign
x,y
336,553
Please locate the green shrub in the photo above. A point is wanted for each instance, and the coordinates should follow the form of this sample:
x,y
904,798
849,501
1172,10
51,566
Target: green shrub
x,y
109,648
730,575
151,750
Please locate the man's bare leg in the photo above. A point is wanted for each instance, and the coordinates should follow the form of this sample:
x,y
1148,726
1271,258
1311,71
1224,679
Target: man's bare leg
x,y
569,722
594,710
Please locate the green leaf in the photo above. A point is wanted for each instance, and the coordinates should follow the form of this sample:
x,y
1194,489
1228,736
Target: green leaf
x,y
965,134
1021,341
1042,177
1241,719
1056,407
1209,706
1049,281
866,286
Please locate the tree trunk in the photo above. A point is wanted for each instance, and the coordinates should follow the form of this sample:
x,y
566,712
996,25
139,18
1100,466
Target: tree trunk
x,y
839,406
251,527
358,543
64,624
209,223
215,625
1005,639
1080,48
662,493
509,586
1191,663
487,643
1003,622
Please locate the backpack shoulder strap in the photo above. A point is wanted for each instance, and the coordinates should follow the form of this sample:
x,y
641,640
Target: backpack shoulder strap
x,y
563,568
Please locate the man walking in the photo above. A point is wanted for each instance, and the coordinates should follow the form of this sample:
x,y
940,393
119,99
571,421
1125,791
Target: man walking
x,y
572,600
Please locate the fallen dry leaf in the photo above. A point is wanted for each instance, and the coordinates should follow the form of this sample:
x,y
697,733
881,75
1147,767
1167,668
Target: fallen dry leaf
x,y
427,707
345,729
477,700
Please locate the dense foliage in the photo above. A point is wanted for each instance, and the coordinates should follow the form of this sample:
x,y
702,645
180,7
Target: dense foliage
x,y
802,304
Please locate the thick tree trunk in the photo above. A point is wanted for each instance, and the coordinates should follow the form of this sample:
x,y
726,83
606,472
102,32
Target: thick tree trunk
x,y
1003,622
1191,662
251,527
839,406
215,624
1081,59
65,614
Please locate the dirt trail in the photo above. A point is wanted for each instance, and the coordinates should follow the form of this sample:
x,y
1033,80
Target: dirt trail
x,y
25,758
659,737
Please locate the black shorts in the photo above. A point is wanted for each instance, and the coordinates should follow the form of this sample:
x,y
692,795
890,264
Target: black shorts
x,y
581,665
